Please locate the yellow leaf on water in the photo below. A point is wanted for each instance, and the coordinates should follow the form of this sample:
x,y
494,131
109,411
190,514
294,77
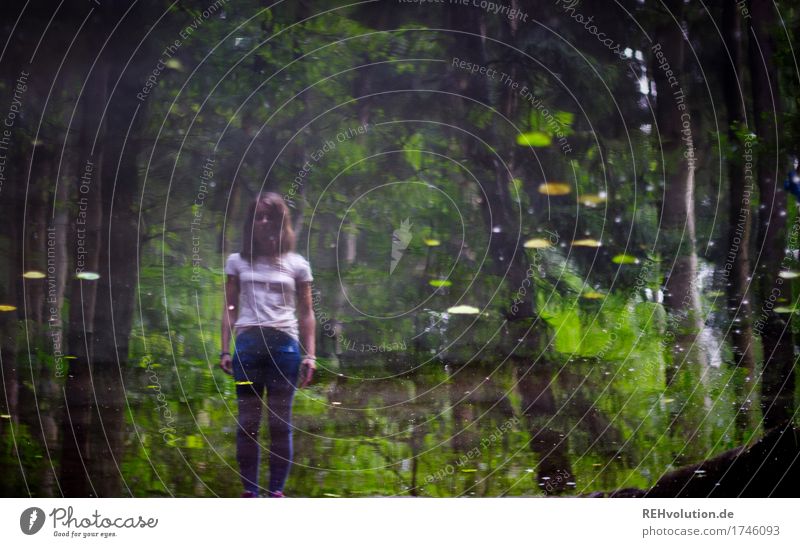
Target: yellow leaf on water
x,y
586,243
593,200
463,310
537,243
174,64
555,188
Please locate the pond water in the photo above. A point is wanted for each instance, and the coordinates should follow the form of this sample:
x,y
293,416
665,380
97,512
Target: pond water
x,y
571,414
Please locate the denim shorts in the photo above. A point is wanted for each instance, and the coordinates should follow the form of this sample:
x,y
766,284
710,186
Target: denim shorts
x,y
266,355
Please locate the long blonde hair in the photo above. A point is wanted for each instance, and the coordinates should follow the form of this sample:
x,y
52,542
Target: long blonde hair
x,y
282,241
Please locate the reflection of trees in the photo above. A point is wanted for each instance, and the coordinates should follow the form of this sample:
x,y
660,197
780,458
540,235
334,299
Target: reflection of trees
x,y
778,375
686,359
478,131
681,293
548,443
764,468
740,194
556,421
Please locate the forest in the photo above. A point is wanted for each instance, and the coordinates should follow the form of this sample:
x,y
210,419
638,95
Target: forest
x,y
554,244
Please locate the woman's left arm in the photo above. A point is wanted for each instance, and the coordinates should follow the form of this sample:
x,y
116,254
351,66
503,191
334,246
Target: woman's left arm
x,y
307,325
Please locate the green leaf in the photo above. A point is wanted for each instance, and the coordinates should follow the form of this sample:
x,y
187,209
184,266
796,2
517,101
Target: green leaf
x,y
536,139
625,259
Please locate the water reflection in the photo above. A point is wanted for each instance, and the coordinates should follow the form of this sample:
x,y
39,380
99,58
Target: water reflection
x,y
381,425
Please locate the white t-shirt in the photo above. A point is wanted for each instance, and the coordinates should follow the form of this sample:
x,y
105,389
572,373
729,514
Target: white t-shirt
x,y
267,290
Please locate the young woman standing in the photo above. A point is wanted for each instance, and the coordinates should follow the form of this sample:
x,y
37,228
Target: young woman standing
x,y
268,303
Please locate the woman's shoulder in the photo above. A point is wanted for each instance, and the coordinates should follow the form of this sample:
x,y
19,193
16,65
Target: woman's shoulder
x,y
300,266
296,257
233,263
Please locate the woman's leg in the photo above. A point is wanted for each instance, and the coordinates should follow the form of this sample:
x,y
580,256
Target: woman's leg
x,y
280,395
248,453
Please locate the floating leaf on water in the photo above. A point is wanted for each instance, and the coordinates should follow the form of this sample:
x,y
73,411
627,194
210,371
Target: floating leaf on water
x,y
469,470
70,357
88,276
593,200
625,259
244,383
432,242
586,243
174,64
7,307
336,403
667,400
33,274
153,386
593,295
534,138
464,310
331,495
785,309
440,282
555,188
715,294
537,243
5,416
788,274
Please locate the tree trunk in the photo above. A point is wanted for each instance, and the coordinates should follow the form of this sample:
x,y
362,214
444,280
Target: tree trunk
x,y
76,478
550,445
509,261
116,288
741,187
681,294
777,380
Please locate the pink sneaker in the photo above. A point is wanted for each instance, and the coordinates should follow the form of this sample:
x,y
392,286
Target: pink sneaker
x,y
276,494
249,494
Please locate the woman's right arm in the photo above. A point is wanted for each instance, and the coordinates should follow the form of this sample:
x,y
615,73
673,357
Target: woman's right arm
x,y
229,313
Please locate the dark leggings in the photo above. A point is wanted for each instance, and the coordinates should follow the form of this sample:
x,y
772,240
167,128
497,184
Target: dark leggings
x,y
265,361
